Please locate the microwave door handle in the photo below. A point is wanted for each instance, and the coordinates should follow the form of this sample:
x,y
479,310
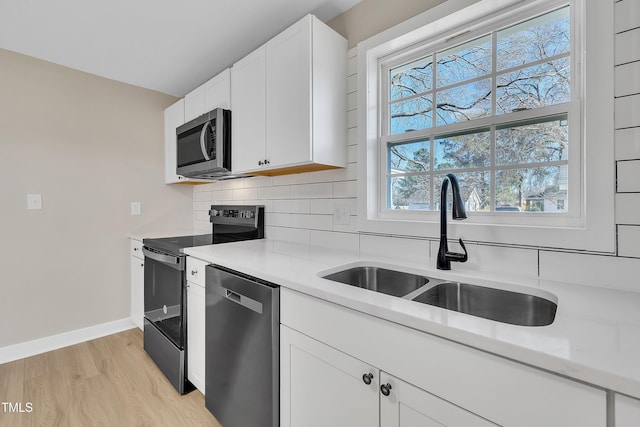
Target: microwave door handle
x,y
202,141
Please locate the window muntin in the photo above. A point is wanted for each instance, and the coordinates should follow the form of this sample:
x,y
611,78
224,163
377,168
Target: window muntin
x,y
501,123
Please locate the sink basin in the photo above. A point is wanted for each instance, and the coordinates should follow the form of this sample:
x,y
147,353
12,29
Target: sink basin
x,y
494,304
390,282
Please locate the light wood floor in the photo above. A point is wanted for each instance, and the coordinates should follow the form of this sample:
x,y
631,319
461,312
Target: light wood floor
x,y
104,382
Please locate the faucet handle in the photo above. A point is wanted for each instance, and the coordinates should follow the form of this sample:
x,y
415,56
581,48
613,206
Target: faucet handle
x,y
455,256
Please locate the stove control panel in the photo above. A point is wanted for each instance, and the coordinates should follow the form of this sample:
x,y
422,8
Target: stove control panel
x,y
237,215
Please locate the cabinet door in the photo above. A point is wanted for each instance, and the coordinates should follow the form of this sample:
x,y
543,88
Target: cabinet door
x,y
137,291
627,411
195,335
409,406
173,117
217,92
194,104
289,95
248,122
321,386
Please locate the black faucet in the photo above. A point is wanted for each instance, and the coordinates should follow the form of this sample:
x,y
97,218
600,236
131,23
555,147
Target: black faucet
x,y
444,256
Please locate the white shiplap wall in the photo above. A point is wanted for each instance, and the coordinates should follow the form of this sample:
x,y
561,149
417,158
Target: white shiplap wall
x,y
299,207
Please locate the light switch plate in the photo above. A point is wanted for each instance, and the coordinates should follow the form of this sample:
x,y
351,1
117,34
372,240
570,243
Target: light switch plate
x,y
136,208
34,201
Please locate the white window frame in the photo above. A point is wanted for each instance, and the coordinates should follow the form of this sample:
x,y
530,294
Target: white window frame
x,y
589,225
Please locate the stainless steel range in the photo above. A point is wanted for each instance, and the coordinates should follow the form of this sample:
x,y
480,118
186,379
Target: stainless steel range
x,y
165,294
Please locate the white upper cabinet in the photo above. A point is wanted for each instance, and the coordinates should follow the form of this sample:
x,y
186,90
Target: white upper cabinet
x,y
289,102
248,118
173,117
216,93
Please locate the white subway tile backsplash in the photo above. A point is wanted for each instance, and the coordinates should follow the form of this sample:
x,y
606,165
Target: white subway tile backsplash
x,y
628,144
206,187
352,136
352,154
628,176
276,192
332,240
202,196
352,118
320,190
245,194
330,175
352,82
294,178
201,216
278,219
232,184
627,78
352,101
590,270
291,235
627,15
289,206
221,196
345,189
325,206
352,66
312,221
352,227
629,241
394,249
202,206
257,181
627,111
627,47
628,208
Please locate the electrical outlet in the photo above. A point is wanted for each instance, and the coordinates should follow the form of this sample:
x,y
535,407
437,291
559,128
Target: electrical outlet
x,y
341,214
34,201
136,208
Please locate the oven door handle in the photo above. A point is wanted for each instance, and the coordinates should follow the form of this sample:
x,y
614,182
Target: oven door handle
x,y
167,259
202,140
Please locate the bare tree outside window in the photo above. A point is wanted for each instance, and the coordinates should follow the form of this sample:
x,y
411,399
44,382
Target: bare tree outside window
x,y
500,127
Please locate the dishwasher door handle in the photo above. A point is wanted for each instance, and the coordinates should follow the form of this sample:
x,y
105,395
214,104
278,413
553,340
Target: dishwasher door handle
x,y
244,301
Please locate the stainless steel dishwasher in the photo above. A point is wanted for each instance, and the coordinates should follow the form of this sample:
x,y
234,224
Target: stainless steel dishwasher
x,y
242,349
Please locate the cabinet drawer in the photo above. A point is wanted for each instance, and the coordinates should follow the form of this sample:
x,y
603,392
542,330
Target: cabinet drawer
x,y
195,271
136,248
501,390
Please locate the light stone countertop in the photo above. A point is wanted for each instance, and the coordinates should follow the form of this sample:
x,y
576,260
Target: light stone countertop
x,y
595,337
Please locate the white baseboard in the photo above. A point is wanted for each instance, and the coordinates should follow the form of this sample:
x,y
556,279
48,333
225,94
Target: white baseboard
x,y
42,345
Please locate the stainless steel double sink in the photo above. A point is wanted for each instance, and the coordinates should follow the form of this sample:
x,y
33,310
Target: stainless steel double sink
x,y
501,305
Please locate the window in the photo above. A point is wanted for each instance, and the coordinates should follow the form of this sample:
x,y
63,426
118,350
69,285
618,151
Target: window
x,y
529,132
494,109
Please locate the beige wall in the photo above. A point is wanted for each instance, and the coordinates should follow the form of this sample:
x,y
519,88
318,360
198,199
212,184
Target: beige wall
x,y
370,17
90,146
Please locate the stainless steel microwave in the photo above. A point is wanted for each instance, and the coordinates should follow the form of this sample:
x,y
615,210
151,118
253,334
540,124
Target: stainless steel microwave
x,y
204,146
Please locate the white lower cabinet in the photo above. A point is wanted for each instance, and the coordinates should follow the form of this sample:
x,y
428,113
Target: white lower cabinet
x,y
137,282
196,322
627,411
322,386
327,348
404,405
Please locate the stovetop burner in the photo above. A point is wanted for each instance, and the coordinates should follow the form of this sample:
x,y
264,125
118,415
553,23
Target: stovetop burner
x,y
175,245
229,223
